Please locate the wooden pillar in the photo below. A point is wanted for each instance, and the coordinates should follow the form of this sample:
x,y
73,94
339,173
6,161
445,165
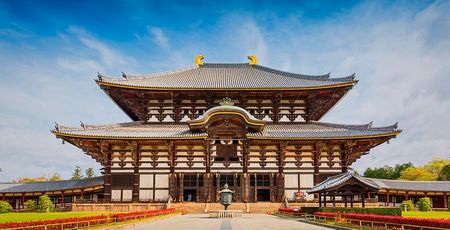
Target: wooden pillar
x,y
217,187
3,197
173,186
136,177
82,195
325,200
387,198
280,176
334,200
23,201
208,184
344,156
181,192
320,200
246,186
445,200
62,198
406,196
362,199
351,200
345,200
104,148
316,156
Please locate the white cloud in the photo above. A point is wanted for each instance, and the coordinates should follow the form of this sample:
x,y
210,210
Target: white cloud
x,y
158,37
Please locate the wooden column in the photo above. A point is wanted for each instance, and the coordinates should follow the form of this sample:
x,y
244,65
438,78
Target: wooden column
x,y
3,197
246,187
181,192
276,101
387,198
334,200
445,200
82,194
316,158
245,176
362,199
197,189
325,200
217,187
351,200
173,186
280,176
320,200
104,148
136,162
344,157
62,198
345,200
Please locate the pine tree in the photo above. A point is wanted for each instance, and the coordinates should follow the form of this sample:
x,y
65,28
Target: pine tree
x,y
77,174
90,173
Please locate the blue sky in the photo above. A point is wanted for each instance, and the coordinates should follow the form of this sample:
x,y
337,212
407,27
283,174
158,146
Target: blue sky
x,y
50,52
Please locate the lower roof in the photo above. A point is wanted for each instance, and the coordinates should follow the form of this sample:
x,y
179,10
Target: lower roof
x,y
302,130
49,186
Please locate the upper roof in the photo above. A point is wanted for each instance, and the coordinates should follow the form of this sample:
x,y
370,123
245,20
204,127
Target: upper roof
x,y
240,76
303,130
337,180
431,186
47,186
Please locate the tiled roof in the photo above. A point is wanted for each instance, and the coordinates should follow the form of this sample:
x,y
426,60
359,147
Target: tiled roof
x,y
47,186
335,181
6,185
429,186
181,130
226,76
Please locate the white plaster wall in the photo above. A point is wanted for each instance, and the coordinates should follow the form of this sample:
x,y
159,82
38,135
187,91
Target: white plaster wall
x,y
146,181
161,181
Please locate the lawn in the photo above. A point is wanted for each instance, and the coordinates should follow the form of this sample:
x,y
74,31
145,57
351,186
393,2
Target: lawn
x,y
29,216
435,214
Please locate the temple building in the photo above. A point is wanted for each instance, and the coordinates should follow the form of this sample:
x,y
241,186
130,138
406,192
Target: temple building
x,y
196,128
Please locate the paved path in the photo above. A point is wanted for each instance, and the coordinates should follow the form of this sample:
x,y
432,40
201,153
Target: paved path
x,y
202,221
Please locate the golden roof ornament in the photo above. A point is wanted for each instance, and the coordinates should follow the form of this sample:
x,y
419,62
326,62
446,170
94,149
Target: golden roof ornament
x,y
227,101
198,59
253,60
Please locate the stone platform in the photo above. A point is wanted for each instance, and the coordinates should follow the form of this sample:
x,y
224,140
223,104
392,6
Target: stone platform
x,y
225,213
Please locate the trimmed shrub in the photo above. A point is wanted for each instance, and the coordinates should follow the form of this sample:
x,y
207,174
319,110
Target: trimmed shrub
x,y
407,205
391,211
309,210
45,204
30,205
5,207
424,204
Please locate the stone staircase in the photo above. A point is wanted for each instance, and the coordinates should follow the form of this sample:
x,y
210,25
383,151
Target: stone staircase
x,y
260,207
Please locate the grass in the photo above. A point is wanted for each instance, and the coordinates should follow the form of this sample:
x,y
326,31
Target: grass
x,y
431,214
30,216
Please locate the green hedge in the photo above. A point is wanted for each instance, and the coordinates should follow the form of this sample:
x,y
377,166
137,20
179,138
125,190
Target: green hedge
x,y
309,210
377,211
5,207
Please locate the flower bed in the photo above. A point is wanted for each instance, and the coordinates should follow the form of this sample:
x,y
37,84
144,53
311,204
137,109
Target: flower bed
x,y
397,220
74,222
289,211
78,222
139,215
427,222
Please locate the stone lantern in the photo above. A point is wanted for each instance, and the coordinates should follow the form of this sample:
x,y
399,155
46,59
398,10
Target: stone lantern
x,y
226,196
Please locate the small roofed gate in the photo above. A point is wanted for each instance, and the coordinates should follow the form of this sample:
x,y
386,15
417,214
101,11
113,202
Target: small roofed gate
x,y
346,186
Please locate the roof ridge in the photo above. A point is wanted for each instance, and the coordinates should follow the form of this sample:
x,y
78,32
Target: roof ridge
x,y
127,77
60,181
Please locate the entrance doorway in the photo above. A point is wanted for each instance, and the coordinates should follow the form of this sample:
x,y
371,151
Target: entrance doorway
x,y
263,195
190,195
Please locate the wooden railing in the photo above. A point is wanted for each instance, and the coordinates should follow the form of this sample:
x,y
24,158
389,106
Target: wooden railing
x,y
362,223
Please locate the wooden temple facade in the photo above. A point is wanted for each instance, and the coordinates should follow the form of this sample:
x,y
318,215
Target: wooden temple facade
x,y
194,129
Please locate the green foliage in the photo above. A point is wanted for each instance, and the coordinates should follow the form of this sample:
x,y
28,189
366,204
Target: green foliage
x,y
416,174
5,207
408,204
30,205
435,166
387,172
77,174
424,204
378,211
444,175
309,210
90,173
448,202
45,204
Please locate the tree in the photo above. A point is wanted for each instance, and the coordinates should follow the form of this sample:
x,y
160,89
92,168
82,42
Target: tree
x,y
444,175
90,173
77,174
435,166
416,173
45,204
54,177
424,204
386,172
399,168
5,207
30,205
31,179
